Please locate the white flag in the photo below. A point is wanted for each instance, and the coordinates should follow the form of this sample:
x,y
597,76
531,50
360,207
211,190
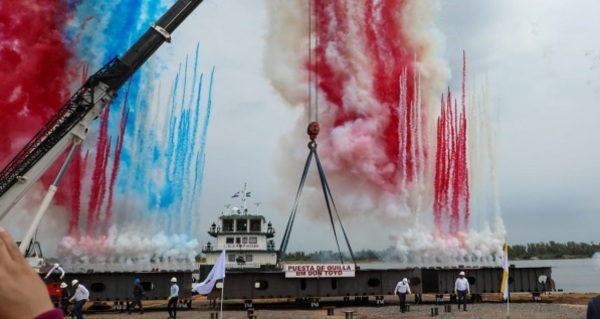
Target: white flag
x,y
216,273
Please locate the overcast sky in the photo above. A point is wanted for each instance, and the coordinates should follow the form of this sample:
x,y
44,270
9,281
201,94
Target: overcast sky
x,y
542,62
539,59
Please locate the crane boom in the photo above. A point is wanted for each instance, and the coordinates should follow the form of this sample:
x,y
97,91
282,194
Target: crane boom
x,y
70,123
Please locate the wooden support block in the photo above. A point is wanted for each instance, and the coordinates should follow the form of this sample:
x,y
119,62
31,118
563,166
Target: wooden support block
x,y
330,310
447,308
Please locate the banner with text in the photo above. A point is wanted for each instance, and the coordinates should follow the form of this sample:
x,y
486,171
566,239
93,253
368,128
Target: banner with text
x,y
319,270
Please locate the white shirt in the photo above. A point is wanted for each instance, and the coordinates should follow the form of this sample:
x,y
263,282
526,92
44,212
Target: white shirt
x,y
81,293
402,288
174,291
462,284
55,268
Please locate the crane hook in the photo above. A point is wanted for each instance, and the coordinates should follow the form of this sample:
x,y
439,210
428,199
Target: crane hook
x,y
313,130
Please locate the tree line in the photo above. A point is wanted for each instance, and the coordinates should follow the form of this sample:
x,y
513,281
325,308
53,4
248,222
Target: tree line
x,y
553,250
541,250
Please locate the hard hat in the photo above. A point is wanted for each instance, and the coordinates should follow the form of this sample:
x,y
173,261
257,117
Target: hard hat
x,y
56,265
405,280
63,285
462,273
136,281
74,282
173,279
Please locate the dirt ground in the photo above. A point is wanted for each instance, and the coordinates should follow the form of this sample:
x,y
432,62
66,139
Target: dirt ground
x,y
522,305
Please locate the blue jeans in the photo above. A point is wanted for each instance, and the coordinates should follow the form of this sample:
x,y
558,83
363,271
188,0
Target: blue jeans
x,y
402,297
77,309
172,307
462,298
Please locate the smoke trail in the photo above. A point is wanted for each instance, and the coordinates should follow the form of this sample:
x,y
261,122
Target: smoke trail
x,y
124,170
451,205
35,63
74,179
390,149
200,159
369,57
98,174
115,166
153,225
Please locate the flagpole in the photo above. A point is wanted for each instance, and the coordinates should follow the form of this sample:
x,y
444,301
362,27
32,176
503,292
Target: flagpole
x,y
222,290
508,306
223,254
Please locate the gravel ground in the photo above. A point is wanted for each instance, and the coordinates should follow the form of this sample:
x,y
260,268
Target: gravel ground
x,y
525,310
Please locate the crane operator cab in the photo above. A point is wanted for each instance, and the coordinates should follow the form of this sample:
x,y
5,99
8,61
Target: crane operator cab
x,y
33,255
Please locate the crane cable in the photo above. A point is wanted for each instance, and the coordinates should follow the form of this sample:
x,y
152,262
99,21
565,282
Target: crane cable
x,y
313,131
313,83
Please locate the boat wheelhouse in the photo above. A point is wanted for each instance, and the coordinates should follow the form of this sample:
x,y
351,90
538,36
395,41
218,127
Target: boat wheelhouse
x,y
247,238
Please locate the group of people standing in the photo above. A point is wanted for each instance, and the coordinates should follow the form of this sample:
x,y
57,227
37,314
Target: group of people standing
x,y
139,293
461,289
81,295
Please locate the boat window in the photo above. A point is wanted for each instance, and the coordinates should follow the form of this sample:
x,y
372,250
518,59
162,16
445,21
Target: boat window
x,y
227,224
240,260
244,240
252,240
237,240
229,240
231,257
248,258
242,225
255,225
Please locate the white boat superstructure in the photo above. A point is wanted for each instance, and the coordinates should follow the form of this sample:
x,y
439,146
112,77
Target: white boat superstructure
x,y
246,237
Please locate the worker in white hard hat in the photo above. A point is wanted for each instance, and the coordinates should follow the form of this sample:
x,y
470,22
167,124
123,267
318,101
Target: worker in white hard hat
x,y
462,289
79,298
56,273
64,298
402,288
173,298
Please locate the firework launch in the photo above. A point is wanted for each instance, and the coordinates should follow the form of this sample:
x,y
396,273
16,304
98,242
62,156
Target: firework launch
x,y
145,159
397,143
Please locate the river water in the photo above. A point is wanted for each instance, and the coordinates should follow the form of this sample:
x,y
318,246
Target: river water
x,y
570,275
